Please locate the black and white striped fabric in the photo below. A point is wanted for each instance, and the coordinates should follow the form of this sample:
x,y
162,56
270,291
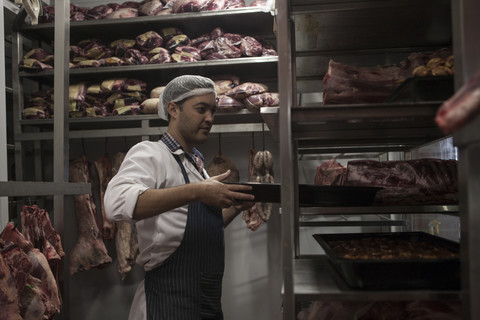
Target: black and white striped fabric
x,y
188,285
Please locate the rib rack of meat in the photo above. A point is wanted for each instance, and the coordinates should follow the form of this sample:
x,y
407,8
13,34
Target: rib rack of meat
x,y
39,296
89,251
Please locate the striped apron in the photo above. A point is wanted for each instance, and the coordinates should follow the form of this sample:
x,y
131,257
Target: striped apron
x,y
188,285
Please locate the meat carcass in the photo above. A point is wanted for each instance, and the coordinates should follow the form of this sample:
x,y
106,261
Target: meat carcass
x,y
41,295
89,251
37,228
126,240
349,84
104,171
462,107
220,164
9,303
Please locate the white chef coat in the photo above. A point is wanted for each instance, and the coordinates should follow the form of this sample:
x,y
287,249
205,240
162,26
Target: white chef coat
x,y
149,165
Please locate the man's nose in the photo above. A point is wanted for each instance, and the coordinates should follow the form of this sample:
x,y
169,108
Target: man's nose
x,y
209,116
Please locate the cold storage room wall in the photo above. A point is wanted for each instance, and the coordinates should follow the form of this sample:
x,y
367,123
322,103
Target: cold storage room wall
x,y
252,281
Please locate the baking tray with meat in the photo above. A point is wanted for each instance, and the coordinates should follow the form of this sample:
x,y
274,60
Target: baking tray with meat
x,y
395,260
313,195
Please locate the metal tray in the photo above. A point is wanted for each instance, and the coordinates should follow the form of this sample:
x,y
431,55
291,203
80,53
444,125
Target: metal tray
x,y
430,88
313,195
416,273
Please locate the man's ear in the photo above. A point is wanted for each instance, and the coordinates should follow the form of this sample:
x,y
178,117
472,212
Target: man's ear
x,y
172,109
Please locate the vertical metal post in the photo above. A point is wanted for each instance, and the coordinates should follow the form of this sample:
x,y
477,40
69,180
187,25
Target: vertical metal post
x,y
3,125
60,134
286,157
467,50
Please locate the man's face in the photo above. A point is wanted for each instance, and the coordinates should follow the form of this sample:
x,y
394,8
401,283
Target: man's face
x,y
195,118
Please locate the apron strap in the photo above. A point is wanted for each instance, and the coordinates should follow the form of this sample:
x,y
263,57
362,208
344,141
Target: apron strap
x,y
184,172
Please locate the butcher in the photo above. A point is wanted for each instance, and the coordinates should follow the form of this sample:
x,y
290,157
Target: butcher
x,y
179,211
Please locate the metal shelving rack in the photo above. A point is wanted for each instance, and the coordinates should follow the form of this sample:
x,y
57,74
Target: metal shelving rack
x,y
379,32
61,129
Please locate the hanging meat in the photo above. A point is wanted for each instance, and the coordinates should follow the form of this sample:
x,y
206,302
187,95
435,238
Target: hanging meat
x,y
37,228
9,302
89,251
220,164
104,170
263,166
40,297
126,240
251,216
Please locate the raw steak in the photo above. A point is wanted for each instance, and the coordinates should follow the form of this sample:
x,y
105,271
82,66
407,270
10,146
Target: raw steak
x,y
462,107
89,251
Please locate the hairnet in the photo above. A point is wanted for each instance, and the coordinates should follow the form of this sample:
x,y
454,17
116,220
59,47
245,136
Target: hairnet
x,y
184,87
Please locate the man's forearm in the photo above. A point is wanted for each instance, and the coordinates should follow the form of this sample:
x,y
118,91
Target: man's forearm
x,y
156,201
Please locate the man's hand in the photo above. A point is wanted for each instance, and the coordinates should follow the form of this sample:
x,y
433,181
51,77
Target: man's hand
x,y
224,195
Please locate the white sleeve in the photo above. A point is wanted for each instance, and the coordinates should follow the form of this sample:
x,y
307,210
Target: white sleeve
x,y
141,169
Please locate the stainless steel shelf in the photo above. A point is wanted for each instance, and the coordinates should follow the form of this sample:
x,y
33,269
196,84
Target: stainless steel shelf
x,y
427,209
31,188
256,69
248,21
135,125
315,279
366,126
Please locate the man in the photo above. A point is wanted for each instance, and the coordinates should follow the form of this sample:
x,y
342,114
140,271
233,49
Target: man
x,y
177,207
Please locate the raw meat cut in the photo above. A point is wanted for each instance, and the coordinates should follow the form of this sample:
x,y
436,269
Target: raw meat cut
x,y
89,251
104,171
462,107
156,92
150,106
98,12
222,86
177,41
135,57
113,85
348,84
330,173
134,85
150,8
149,40
225,47
42,295
123,13
220,164
8,291
121,46
246,89
227,104
126,240
180,6
37,228
406,182
250,47
216,5
257,101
